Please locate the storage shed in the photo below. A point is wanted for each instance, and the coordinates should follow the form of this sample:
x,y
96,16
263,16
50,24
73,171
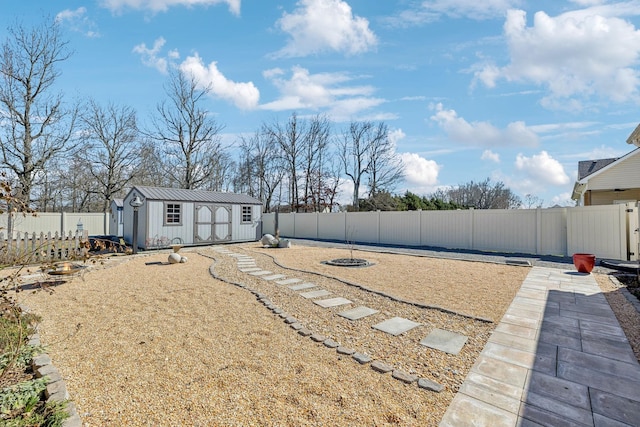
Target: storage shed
x,y
171,216
116,221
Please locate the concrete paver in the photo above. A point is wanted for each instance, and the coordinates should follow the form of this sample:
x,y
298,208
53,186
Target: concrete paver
x,y
558,357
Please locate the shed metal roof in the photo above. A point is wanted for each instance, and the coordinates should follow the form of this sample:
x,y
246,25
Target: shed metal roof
x,y
182,195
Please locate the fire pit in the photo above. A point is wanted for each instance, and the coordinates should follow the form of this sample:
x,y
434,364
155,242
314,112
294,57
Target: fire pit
x,y
64,269
348,262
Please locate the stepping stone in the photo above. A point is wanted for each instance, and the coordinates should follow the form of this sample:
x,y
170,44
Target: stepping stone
x,y
396,325
358,313
361,358
247,265
302,286
249,270
274,277
260,273
381,367
332,302
316,294
404,376
430,385
446,341
288,281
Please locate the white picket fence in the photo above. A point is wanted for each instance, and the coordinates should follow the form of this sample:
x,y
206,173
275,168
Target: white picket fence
x,y
606,231
32,248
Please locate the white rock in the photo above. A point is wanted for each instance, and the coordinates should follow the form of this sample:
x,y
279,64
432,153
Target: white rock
x,y
269,240
284,243
183,259
174,258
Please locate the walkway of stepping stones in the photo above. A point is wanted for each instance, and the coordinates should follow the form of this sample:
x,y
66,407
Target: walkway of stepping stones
x,y
438,339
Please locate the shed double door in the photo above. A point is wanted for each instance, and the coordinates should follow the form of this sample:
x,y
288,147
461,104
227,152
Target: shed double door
x,y
213,223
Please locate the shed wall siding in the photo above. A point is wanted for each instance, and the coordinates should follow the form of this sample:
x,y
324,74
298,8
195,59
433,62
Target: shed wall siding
x,y
157,231
244,232
623,175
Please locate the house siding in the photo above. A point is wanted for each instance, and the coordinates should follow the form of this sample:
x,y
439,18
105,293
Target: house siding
x,y
609,197
623,176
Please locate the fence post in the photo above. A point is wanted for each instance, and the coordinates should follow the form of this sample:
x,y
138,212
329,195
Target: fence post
x,y
538,231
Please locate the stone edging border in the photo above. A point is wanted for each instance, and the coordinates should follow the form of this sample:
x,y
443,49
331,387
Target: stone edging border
x,y
380,293
635,302
362,358
56,390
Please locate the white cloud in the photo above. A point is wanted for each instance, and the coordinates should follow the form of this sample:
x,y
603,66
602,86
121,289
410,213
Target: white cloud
x,y
78,21
432,10
482,133
330,92
396,135
541,169
243,95
596,57
150,56
164,5
317,26
419,173
491,156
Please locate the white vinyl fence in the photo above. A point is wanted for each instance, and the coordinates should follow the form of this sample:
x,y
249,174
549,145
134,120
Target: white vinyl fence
x,y
62,223
601,230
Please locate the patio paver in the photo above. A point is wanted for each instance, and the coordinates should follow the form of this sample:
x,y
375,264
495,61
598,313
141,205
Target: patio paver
x,y
358,313
332,302
558,357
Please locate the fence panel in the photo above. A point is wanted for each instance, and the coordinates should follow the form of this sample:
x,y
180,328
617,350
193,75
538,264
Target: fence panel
x,y
306,225
26,248
505,230
446,229
599,230
400,228
269,223
332,226
362,227
43,222
552,231
286,224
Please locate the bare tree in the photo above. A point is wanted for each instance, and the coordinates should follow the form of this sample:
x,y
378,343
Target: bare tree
x,y
111,148
36,125
151,166
316,143
355,151
262,168
532,201
290,139
385,167
188,133
484,195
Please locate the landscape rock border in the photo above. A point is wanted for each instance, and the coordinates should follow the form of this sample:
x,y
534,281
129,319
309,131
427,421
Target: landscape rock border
x,y
362,358
373,291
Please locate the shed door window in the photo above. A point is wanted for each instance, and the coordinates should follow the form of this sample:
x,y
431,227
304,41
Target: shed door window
x,y
246,214
172,214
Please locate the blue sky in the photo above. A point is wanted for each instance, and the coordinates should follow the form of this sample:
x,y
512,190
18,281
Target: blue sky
x,y
517,91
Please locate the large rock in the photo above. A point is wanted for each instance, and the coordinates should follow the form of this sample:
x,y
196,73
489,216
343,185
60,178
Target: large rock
x,y
174,258
284,243
269,240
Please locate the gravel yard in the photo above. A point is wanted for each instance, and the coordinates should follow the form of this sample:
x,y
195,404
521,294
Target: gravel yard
x,y
157,344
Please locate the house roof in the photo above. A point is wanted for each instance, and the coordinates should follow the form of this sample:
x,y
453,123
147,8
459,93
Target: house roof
x,y
601,165
587,167
182,195
634,138
119,202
